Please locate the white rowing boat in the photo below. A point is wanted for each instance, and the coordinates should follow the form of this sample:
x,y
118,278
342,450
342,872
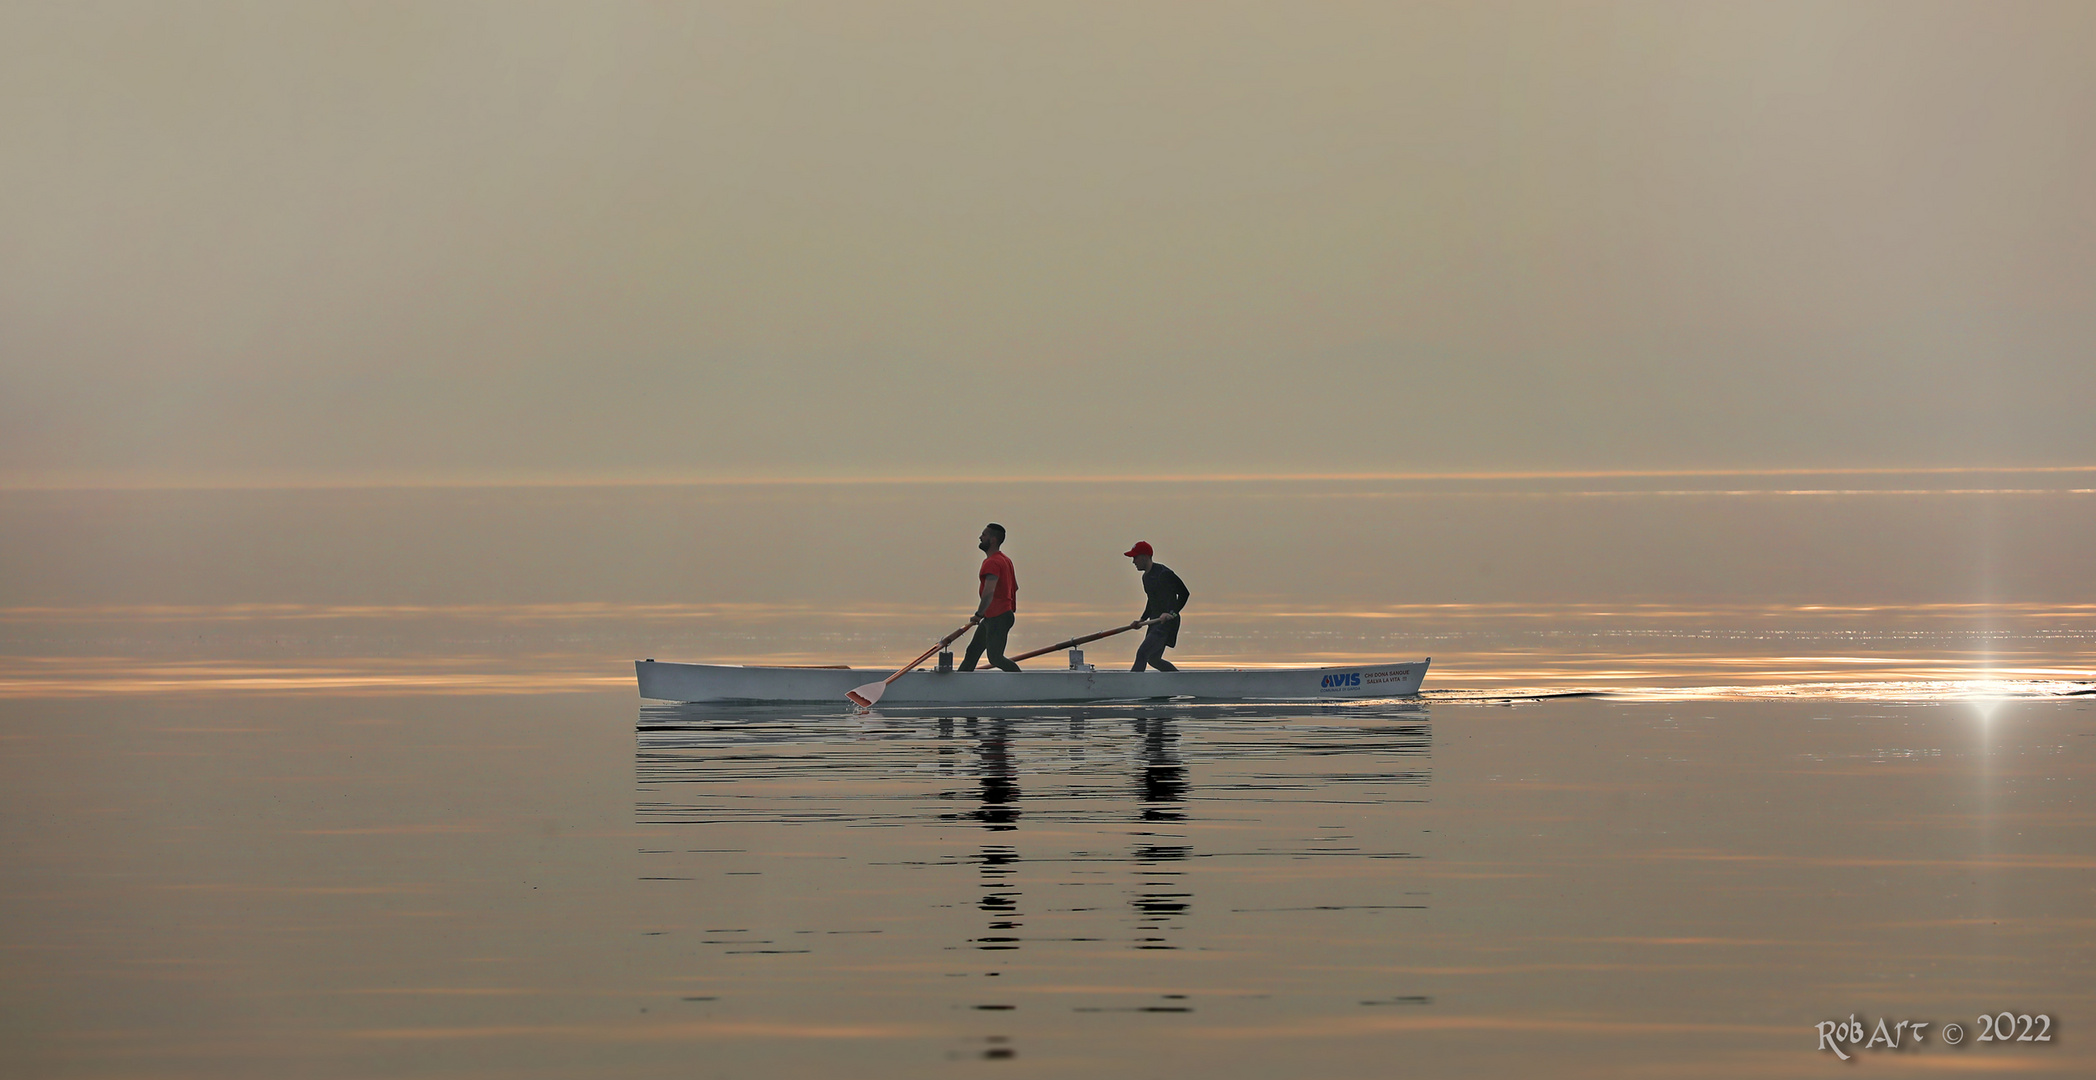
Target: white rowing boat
x,y
661,681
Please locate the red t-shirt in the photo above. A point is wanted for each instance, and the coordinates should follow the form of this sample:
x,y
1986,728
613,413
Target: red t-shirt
x,y
1006,598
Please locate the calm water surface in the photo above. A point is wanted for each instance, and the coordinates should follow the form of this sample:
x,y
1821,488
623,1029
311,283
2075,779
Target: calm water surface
x,y
525,885
375,798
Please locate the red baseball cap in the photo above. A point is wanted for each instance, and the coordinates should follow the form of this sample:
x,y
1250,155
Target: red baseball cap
x,y
1142,547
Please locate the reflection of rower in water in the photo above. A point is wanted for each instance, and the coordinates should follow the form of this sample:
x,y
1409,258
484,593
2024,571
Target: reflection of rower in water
x,y
1165,595
1164,776
1163,789
998,811
1161,895
1000,780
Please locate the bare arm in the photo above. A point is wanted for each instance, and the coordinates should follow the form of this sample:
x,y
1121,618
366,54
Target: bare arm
x,y
989,589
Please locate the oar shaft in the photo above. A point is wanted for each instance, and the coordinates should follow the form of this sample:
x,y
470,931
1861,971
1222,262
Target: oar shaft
x,y
1070,644
1076,641
943,642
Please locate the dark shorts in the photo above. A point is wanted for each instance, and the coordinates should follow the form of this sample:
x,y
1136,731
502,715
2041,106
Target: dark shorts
x,y
1151,652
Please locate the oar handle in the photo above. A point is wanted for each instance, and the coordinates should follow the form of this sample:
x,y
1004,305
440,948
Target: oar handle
x,y
943,642
1076,641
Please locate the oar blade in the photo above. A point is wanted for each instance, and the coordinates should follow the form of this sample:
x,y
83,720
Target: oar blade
x,y
865,696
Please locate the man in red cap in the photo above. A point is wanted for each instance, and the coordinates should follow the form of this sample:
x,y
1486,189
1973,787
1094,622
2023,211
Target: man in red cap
x,y
1166,595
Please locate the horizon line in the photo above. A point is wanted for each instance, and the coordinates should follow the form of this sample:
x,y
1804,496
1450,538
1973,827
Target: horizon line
x,y
223,483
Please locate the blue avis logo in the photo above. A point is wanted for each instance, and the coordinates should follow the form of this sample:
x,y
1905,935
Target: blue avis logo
x,y
1351,678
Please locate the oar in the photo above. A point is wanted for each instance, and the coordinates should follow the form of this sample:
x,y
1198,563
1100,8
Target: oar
x,y
865,696
1076,641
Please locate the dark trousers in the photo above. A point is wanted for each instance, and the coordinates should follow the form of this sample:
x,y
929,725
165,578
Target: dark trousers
x,y
989,637
1151,652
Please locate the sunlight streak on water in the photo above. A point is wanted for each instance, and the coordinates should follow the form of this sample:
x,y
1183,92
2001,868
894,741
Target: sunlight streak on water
x,y
101,676
1932,652
1867,680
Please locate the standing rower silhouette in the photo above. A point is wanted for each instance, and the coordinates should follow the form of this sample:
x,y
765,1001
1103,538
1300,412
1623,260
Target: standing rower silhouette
x,y
997,604
1165,594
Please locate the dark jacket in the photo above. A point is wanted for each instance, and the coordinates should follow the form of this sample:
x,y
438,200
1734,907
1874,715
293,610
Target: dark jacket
x,y
1165,592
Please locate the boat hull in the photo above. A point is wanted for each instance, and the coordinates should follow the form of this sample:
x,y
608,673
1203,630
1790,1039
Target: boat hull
x,y
661,681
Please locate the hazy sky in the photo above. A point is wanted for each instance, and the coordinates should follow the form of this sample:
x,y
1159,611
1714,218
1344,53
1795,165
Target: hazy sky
x,y
317,241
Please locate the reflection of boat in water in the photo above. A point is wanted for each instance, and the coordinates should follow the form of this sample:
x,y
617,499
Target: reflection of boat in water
x,y
661,681
1050,833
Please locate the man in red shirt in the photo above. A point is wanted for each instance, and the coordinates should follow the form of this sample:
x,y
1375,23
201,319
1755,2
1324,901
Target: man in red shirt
x,y
994,612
